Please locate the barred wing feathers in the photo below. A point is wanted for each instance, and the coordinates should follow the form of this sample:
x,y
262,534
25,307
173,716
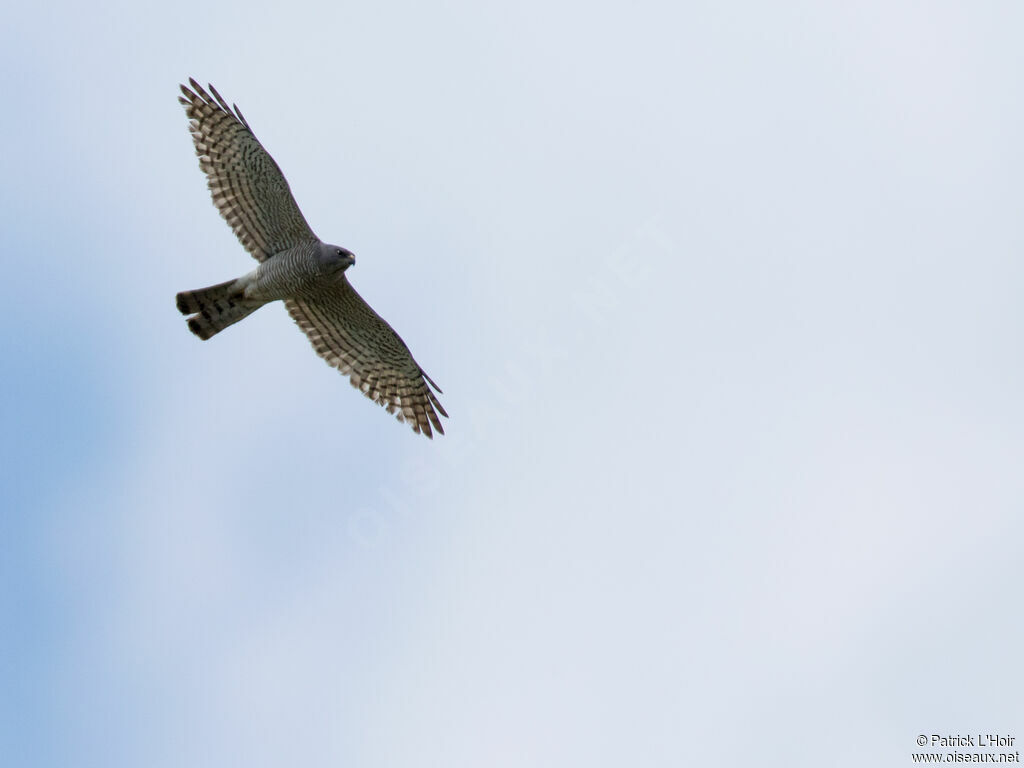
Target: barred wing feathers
x,y
246,184
350,336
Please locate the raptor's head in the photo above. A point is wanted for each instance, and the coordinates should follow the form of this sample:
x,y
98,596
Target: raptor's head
x,y
335,258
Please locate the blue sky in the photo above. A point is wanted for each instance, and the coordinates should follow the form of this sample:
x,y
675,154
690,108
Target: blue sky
x,y
724,300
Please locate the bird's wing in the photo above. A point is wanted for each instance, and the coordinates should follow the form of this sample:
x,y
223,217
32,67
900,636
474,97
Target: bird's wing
x,y
350,336
246,184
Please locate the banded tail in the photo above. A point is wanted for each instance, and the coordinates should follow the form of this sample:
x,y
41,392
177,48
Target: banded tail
x,y
215,308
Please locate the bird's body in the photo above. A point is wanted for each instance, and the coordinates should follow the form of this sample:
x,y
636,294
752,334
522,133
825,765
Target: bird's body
x,y
296,267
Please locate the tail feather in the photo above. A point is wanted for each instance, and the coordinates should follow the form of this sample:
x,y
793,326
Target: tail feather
x,y
215,308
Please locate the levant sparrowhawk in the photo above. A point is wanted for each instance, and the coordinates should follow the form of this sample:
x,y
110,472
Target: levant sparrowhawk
x,y
252,195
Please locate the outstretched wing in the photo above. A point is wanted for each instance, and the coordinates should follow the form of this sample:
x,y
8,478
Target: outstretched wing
x,y
350,336
246,184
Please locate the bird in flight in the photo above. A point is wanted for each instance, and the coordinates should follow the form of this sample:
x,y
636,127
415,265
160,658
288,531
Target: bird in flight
x,y
295,266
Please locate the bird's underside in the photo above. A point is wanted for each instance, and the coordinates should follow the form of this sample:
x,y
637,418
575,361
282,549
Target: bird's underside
x,y
251,193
